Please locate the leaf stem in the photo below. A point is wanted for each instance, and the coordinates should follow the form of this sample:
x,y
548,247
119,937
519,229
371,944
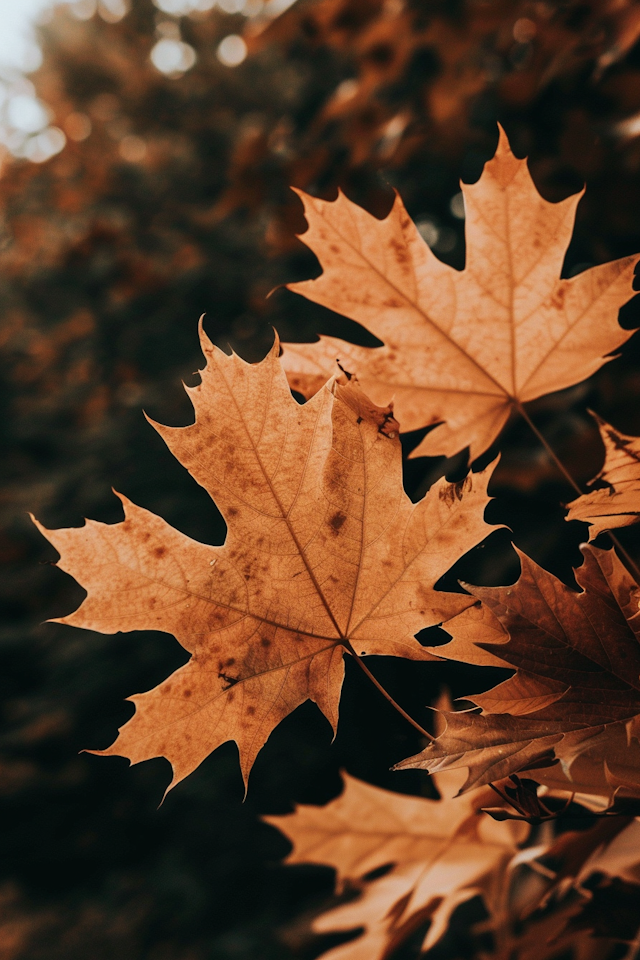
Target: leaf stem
x,y
387,696
635,570
551,452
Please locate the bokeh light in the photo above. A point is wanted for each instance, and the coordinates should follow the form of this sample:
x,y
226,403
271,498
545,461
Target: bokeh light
x,y
133,149
232,50
172,57
456,205
77,126
26,113
44,145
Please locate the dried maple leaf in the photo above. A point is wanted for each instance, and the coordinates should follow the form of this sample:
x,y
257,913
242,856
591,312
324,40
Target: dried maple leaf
x,y
611,847
442,853
618,504
463,347
576,690
324,551
605,775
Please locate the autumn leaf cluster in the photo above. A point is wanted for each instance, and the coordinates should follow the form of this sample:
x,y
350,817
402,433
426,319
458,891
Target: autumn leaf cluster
x,y
326,557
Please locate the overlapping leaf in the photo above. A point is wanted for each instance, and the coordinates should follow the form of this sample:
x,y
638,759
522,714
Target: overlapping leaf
x,y
617,504
610,847
324,553
438,854
603,864
576,689
461,347
442,853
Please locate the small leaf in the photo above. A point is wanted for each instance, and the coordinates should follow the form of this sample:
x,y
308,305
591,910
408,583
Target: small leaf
x,y
617,504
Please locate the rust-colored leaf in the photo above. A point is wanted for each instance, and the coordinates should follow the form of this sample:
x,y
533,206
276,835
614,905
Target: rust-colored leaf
x,y
461,348
575,695
324,553
441,853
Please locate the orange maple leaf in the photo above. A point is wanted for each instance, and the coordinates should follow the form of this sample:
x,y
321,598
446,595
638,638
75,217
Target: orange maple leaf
x,y
461,347
442,853
617,504
575,694
324,553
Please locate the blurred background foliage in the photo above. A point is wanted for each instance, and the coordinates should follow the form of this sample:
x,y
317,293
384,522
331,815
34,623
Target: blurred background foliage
x,y
181,127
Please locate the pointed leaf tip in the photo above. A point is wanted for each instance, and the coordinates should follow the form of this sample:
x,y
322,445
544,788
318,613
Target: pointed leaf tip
x,y
504,145
276,348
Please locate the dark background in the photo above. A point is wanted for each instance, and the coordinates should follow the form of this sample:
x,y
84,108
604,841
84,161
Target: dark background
x,y
105,267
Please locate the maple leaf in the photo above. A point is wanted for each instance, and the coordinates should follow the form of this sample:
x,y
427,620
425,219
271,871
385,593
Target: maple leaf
x,y
617,504
612,910
611,847
602,864
442,852
324,552
576,689
463,347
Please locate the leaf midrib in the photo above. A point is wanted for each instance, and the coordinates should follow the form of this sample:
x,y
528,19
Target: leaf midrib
x,y
418,309
285,514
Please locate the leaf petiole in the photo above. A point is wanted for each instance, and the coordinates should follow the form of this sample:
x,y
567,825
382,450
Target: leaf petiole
x,y
385,694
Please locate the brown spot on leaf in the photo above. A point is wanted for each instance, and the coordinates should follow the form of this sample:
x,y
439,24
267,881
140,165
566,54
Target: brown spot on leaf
x,y
337,520
400,251
455,491
389,426
230,681
460,487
